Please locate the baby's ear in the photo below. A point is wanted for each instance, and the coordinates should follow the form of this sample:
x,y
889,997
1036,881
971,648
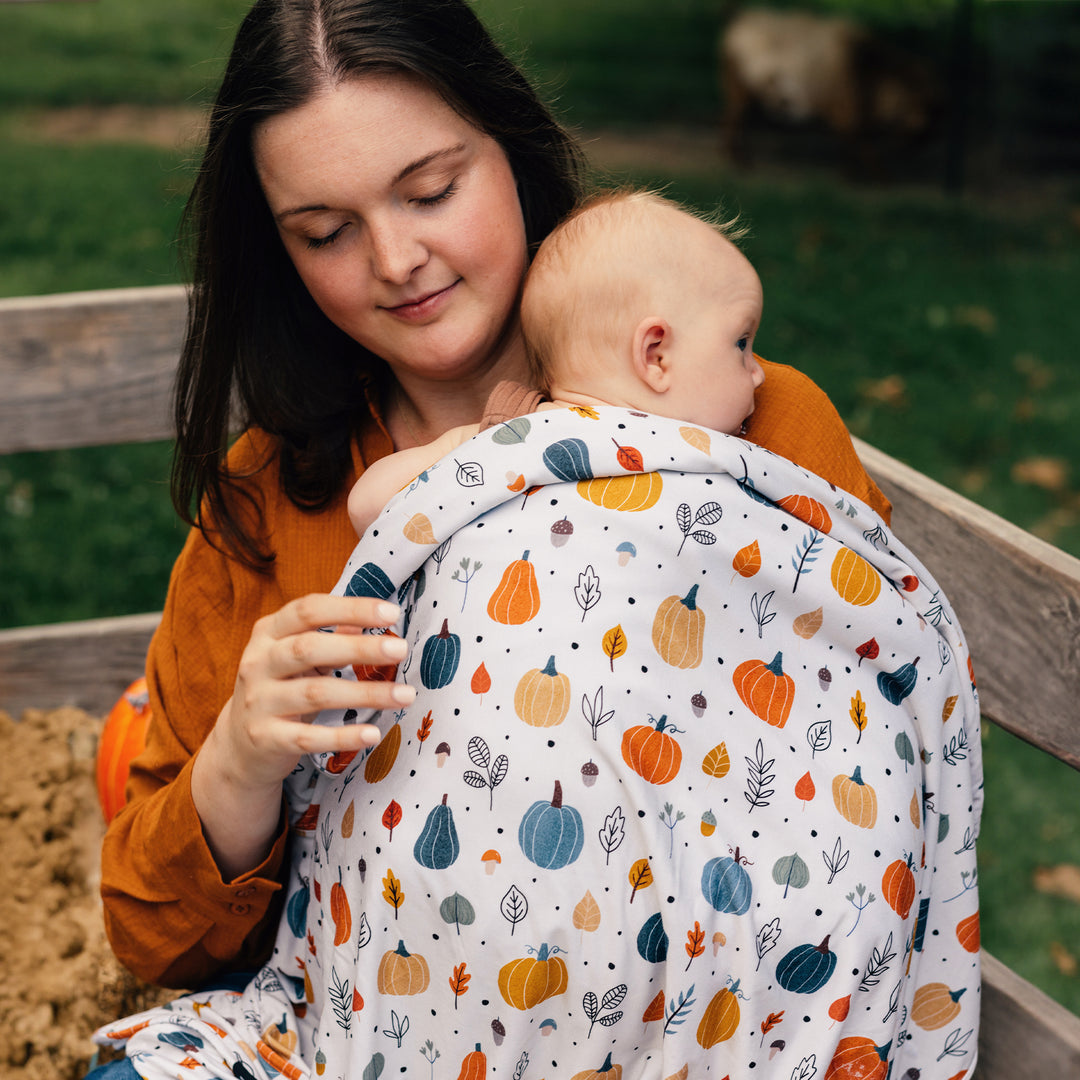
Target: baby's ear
x,y
651,353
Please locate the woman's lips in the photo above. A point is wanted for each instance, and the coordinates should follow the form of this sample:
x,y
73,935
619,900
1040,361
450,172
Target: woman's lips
x,y
423,307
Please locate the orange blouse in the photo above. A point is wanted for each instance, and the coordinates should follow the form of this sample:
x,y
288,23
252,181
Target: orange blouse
x,y
170,917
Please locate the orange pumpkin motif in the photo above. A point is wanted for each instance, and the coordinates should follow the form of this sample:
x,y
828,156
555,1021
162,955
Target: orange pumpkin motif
x,y
122,738
857,1058
968,933
679,629
473,1065
765,689
516,599
935,1005
607,1071
629,493
808,511
652,752
898,885
854,579
376,672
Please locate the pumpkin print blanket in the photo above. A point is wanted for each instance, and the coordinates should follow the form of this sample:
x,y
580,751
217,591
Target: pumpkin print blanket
x,y
691,787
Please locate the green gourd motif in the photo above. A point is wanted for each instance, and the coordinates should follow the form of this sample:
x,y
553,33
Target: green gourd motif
x,y
440,658
437,845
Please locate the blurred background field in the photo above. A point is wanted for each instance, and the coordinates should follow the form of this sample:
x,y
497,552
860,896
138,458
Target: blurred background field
x,y
935,300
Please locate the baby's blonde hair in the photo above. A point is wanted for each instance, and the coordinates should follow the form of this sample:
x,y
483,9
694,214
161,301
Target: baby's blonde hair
x,y
598,268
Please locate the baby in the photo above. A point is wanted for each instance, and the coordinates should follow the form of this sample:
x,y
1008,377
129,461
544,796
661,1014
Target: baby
x,y
631,301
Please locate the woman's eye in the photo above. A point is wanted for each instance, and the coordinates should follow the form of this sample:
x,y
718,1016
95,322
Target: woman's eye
x,y
434,200
315,242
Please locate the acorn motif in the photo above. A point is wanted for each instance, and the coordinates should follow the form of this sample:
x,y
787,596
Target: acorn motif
x,y
824,678
708,823
698,703
498,1032
561,531
589,772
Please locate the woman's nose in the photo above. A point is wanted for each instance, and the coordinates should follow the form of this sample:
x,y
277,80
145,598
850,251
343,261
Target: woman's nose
x,y
396,252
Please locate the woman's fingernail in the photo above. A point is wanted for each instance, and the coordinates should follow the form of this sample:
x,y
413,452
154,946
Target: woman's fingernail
x,y
393,648
403,694
387,611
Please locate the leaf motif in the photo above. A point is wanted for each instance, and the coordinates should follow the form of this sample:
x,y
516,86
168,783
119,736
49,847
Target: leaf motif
x,y
348,820
819,735
587,913
474,779
614,997
469,474
683,517
614,644
511,431
513,906
709,514
717,761
393,893
363,935
630,459
947,710
590,1005
392,815
610,1019
586,411
481,680
479,754
747,561
697,438
655,1009
498,770
808,624
587,590
703,536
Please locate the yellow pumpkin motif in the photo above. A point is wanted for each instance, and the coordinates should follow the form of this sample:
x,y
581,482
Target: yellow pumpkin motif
x,y
527,982
402,972
607,1071
855,799
854,579
935,1005
542,697
638,491
678,630
721,1017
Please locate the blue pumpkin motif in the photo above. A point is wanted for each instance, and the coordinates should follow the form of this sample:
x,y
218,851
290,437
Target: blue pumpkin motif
x,y
369,580
437,845
440,658
568,459
550,834
297,907
807,968
652,940
727,885
896,685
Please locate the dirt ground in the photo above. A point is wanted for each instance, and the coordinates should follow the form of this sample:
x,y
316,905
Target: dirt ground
x,y
60,980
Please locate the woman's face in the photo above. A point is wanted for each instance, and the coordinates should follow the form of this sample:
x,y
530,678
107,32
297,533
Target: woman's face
x,y
403,221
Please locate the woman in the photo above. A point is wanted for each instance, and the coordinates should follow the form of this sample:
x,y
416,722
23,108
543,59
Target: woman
x,y
375,176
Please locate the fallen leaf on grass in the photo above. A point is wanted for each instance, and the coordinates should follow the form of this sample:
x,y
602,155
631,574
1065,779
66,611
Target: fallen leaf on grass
x,y
891,390
1064,960
1063,880
1049,473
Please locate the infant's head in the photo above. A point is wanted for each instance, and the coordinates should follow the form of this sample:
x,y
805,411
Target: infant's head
x,y
635,301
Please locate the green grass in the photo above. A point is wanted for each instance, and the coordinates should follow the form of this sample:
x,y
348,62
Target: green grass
x,y
965,312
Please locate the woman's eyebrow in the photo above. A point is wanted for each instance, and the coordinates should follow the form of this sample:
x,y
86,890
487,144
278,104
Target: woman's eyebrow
x,y
412,167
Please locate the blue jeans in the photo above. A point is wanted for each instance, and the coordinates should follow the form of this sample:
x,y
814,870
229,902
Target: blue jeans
x,y
115,1070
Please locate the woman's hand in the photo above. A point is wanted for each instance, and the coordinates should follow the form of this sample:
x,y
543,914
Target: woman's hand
x,y
265,728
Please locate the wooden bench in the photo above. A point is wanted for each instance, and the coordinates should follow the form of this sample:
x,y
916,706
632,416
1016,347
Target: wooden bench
x,y
96,368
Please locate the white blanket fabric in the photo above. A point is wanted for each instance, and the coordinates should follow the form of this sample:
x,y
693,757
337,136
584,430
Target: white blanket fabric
x,y
691,786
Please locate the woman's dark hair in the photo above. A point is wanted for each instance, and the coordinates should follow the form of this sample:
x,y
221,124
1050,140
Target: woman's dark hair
x,y
258,350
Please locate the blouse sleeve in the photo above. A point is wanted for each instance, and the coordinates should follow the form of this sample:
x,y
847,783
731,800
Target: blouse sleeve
x,y
793,417
170,917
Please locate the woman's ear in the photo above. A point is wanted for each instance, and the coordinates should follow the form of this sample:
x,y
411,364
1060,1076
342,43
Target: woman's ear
x,y
651,353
